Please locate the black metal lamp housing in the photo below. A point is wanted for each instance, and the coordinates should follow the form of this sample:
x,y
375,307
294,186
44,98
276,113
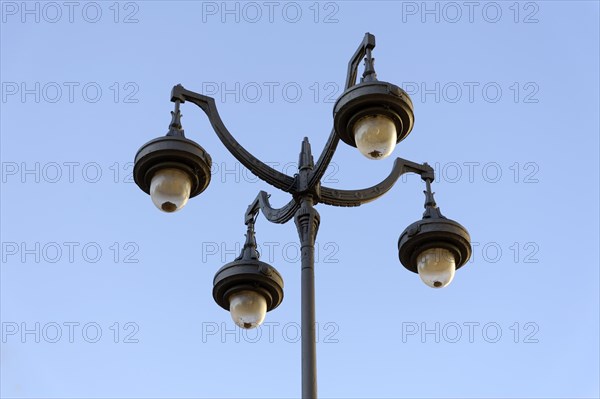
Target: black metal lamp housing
x,y
173,152
247,287
372,98
434,247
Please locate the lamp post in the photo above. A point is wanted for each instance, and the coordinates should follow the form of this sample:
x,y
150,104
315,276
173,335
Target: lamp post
x,y
373,116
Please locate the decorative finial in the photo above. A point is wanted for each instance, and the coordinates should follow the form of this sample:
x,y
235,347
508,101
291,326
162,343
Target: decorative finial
x,y
306,160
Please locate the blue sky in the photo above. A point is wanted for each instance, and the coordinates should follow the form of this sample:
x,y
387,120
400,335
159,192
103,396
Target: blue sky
x,y
104,296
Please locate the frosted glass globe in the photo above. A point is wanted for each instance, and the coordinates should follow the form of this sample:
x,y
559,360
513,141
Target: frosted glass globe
x,y
436,267
248,308
170,189
375,136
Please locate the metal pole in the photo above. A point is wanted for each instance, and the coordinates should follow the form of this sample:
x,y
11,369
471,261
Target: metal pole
x,y
307,223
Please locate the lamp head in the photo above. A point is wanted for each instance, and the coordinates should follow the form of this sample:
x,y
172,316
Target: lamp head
x,y
435,247
172,168
247,287
373,116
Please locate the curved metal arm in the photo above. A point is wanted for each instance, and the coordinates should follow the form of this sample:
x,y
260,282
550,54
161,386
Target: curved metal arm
x,y
335,197
260,169
368,43
273,215
324,159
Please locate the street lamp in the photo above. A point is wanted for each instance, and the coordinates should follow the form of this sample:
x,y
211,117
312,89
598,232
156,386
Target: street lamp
x,y
435,247
373,116
247,287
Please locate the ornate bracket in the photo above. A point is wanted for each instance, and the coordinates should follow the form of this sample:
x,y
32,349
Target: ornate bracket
x,y
260,169
273,215
335,197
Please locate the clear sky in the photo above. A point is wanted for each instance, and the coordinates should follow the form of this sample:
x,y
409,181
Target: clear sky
x,y
104,296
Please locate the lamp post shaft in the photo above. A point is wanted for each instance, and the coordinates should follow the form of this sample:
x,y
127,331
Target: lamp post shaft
x,y
309,350
307,223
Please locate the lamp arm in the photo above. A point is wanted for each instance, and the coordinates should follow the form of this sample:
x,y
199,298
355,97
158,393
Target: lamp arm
x,y
335,197
259,168
273,215
368,43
